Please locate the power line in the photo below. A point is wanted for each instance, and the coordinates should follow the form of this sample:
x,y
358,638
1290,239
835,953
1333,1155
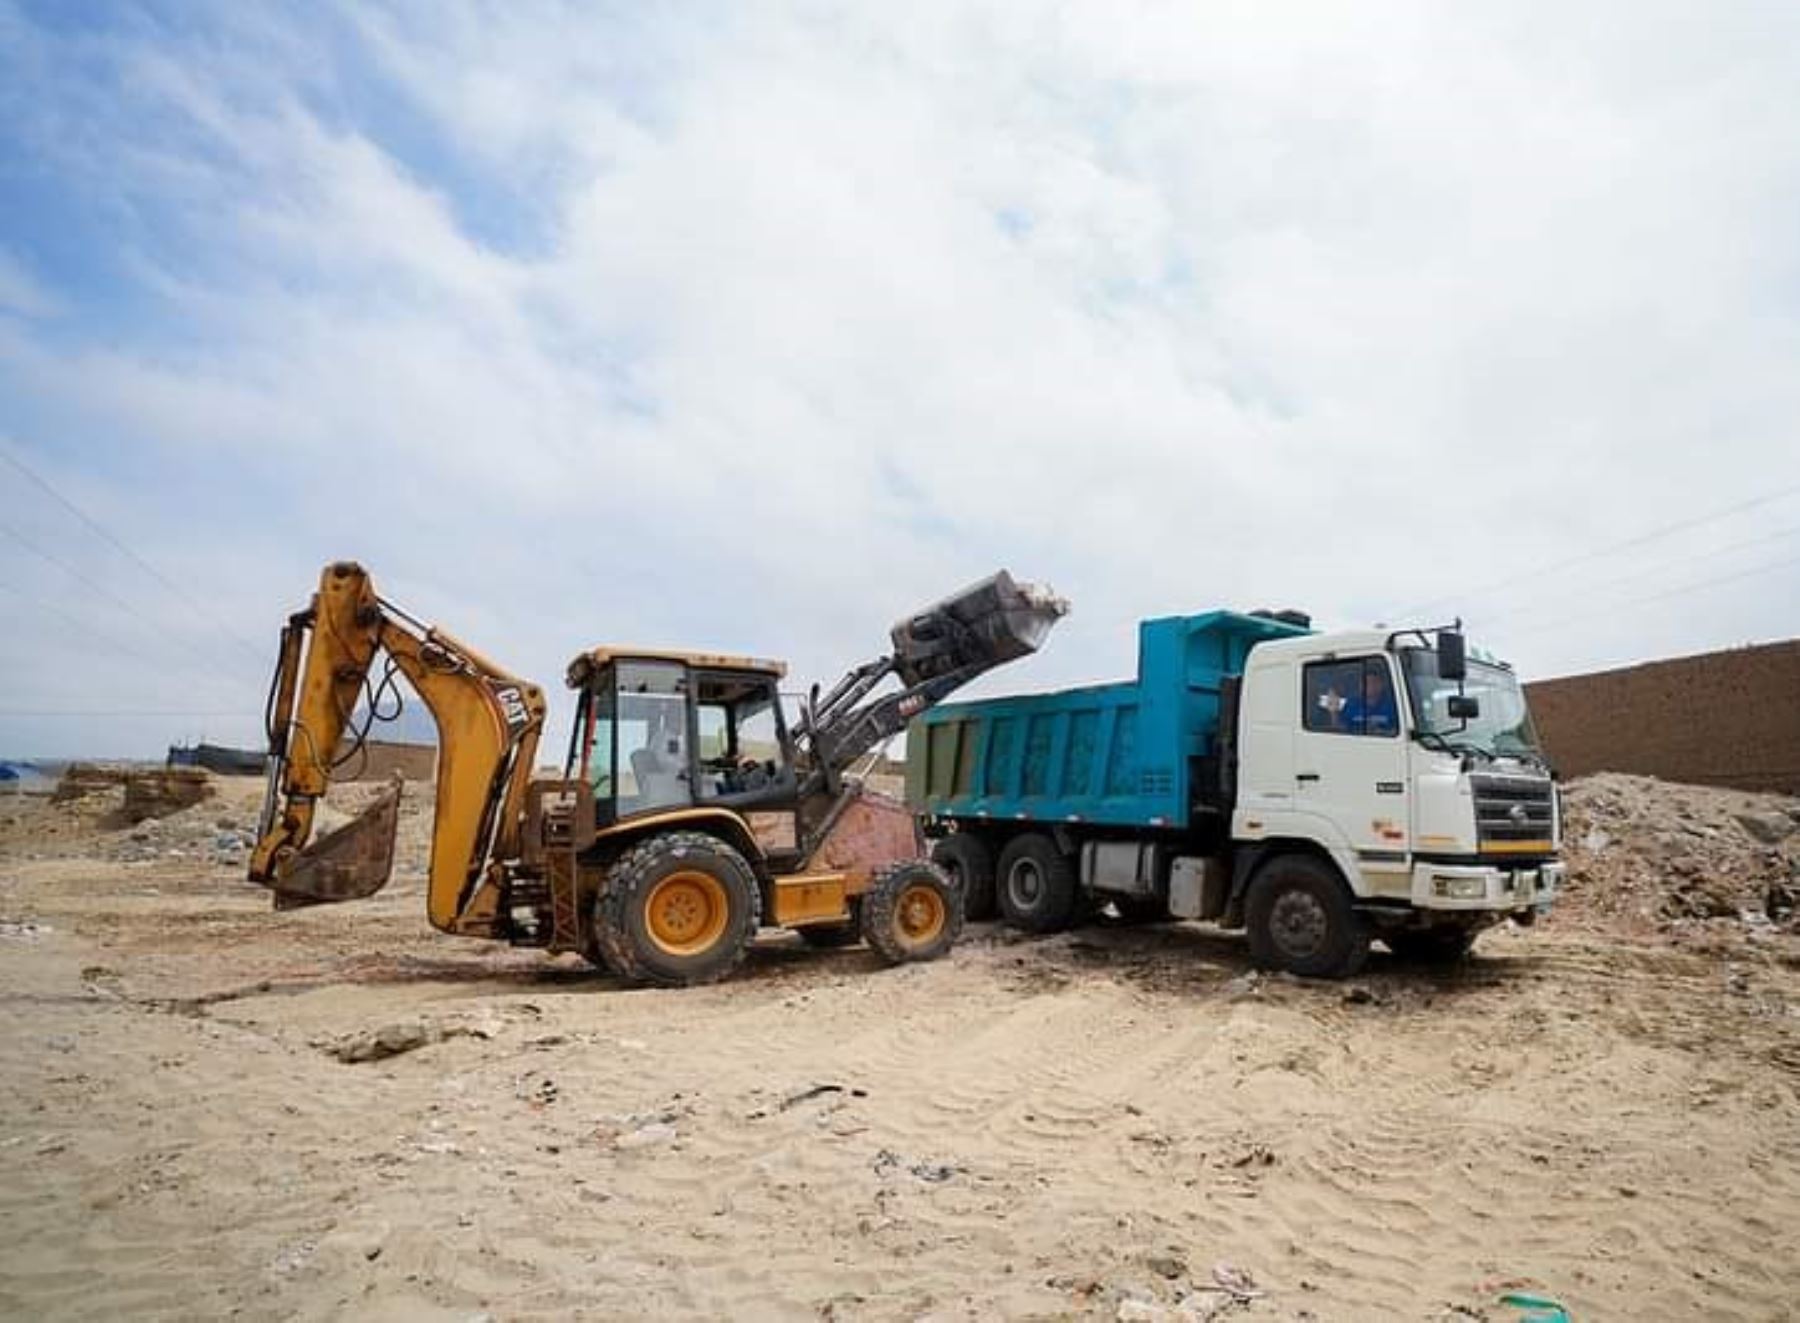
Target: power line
x,y
1658,597
119,712
1679,526
131,555
122,603
88,627
1714,554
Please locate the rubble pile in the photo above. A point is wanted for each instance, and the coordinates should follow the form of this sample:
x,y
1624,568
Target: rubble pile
x,y
203,820
158,792
1656,857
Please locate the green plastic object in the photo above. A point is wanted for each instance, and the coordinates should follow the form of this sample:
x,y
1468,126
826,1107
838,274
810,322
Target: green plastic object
x,y
1537,1308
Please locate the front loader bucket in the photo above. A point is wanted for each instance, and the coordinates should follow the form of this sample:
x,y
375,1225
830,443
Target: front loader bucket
x,y
348,864
996,620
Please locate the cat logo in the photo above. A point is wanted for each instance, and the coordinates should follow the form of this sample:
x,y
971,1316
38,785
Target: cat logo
x,y
512,706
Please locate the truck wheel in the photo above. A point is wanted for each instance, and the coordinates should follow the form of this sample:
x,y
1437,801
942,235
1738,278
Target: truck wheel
x,y
1431,946
1300,919
912,911
677,909
839,935
1037,885
970,863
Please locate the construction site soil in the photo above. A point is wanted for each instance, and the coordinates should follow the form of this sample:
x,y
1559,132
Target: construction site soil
x,y
210,1109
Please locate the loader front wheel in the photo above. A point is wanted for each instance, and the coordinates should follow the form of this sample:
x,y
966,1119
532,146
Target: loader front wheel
x,y
677,909
970,863
912,911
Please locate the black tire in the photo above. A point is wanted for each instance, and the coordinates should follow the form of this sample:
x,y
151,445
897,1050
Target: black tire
x,y
839,935
1300,919
912,911
710,878
969,861
1431,946
1037,885
1139,910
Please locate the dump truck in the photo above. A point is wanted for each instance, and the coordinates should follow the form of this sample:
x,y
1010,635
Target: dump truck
x,y
1318,789
689,812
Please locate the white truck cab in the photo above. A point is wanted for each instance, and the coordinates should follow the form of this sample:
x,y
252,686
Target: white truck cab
x,y
1429,792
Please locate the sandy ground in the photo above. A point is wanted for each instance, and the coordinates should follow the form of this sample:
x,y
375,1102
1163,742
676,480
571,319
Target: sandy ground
x,y
1046,1129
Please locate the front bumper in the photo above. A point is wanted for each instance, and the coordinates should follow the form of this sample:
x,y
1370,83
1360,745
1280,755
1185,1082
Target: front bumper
x,y
1478,887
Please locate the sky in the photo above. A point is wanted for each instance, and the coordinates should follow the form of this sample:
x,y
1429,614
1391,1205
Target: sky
x,y
755,326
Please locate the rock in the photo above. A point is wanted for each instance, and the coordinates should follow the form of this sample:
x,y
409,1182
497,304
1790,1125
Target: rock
x,y
388,1041
1166,1265
1358,995
1595,841
1769,828
1134,1310
647,1136
1244,985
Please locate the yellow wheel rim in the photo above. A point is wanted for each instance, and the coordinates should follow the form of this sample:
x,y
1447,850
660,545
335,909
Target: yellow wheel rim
x,y
686,912
920,914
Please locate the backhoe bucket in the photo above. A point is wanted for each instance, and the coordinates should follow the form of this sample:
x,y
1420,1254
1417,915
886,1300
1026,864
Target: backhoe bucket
x,y
987,623
348,864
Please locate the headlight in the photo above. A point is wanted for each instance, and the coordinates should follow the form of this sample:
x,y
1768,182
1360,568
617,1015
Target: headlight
x,y
1458,888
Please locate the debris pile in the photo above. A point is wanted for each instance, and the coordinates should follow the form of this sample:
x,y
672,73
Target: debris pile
x,y
1657,858
158,792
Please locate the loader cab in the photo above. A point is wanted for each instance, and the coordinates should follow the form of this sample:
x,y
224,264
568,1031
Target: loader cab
x,y
662,731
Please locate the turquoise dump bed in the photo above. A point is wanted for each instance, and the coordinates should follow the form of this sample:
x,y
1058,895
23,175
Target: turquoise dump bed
x,y
1115,754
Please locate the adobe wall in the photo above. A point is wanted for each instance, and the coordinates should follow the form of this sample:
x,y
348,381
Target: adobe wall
x,y
1722,718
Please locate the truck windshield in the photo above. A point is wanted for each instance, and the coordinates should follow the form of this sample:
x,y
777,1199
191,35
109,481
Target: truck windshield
x,y
1503,729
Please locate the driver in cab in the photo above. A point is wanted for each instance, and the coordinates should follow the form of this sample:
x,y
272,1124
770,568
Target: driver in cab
x,y
1372,710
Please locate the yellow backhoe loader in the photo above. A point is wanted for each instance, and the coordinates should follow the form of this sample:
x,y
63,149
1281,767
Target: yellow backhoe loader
x,y
688,813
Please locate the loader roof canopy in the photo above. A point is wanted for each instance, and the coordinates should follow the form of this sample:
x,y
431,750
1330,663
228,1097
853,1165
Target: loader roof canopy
x,y
586,663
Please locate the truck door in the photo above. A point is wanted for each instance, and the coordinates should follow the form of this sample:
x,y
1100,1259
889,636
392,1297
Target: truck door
x,y
1350,756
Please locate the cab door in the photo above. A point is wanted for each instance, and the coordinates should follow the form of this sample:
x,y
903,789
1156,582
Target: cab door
x,y
1350,755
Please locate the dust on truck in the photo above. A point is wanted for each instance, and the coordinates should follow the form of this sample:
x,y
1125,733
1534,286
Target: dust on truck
x,y
1319,790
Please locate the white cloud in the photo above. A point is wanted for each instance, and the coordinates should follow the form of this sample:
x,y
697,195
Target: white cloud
x,y
755,328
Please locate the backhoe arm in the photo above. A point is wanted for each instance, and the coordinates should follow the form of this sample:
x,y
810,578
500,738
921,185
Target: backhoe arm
x,y
488,723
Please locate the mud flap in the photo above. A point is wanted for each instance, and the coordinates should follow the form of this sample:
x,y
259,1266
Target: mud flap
x,y
350,863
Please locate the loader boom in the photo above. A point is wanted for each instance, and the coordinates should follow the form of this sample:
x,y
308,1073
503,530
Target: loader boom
x,y
488,724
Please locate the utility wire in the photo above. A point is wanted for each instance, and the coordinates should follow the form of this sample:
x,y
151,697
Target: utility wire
x,y
124,604
1658,597
1511,611
1679,526
129,554
117,712
87,627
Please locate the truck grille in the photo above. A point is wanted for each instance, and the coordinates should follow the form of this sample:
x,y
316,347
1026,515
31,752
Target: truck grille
x,y
1512,811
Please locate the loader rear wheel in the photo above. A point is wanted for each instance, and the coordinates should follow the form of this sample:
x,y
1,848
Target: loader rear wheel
x,y
1037,884
677,909
970,863
912,911
1300,918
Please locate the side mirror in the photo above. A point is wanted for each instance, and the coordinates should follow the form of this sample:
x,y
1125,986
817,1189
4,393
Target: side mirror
x,y
1464,708
1453,657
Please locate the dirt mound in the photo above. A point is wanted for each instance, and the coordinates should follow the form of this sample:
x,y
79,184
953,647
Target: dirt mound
x,y
1654,858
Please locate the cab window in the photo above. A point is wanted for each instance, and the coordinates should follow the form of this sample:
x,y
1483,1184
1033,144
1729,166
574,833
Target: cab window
x,y
738,730
652,764
1350,698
